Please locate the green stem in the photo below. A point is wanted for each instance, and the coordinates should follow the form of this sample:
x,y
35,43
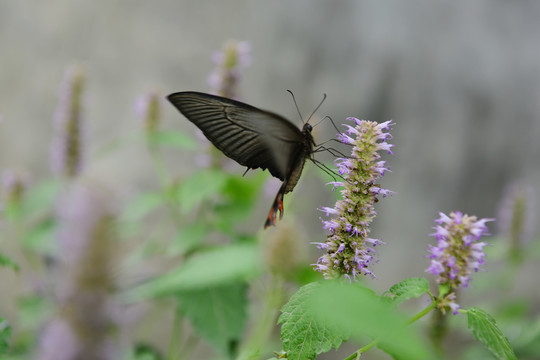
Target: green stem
x,y
164,180
176,334
421,314
189,346
272,303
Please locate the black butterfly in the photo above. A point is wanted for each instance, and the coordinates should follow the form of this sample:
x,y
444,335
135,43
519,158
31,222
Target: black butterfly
x,y
252,137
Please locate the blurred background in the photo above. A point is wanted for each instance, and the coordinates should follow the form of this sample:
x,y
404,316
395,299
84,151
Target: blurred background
x,y
460,79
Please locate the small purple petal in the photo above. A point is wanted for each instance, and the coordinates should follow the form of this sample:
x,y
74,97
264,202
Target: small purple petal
x,y
454,307
335,184
436,267
328,210
345,139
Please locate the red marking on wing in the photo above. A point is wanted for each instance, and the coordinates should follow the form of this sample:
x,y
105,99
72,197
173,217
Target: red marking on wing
x,y
276,206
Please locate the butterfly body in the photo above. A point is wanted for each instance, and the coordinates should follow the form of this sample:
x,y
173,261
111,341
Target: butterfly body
x,y
252,137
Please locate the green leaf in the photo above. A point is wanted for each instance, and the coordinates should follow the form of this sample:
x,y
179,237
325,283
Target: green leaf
x,y
304,335
7,262
407,289
42,237
485,329
5,335
145,352
188,238
34,202
528,342
173,138
443,290
142,205
219,266
33,311
41,197
243,191
218,315
362,313
200,186
240,194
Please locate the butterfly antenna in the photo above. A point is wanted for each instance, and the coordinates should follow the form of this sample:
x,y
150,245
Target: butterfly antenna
x,y
317,108
324,118
296,104
334,125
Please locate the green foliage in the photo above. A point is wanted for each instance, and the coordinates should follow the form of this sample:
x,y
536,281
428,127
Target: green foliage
x,y
41,237
189,238
305,335
443,290
7,262
171,138
41,198
407,289
142,205
5,335
33,311
359,311
528,343
238,198
217,314
198,187
218,266
485,329
145,352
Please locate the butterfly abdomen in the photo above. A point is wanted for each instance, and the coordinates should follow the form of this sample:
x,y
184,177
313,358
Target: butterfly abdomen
x,y
295,174
304,152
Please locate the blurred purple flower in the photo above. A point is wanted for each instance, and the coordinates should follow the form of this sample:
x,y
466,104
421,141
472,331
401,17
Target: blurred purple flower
x,y
348,250
517,215
66,148
15,183
87,320
148,109
458,252
233,58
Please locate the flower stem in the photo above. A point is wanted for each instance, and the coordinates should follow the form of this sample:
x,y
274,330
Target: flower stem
x,y
422,313
164,181
262,331
176,333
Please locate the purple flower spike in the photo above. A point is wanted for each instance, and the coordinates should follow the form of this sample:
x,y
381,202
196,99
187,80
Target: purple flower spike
x,y
348,249
15,183
230,62
148,109
458,252
517,214
66,149
86,274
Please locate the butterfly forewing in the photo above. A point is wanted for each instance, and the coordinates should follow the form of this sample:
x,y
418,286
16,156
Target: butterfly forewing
x,y
252,137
